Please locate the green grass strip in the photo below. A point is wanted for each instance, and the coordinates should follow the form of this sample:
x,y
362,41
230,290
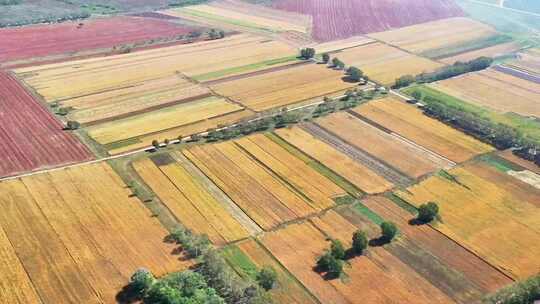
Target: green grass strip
x,y
402,203
240,262
244,68
226,20
500,163
365,211
456,49
122,143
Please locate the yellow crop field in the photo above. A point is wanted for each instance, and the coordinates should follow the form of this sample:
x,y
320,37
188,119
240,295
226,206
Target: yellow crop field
x,y
242,16
190,202
384,63
409,122
356,173
262,195
318,189
134,99
98,75
399,154
337,45
285,87
436,34
73,243
497,223
162,119
495,90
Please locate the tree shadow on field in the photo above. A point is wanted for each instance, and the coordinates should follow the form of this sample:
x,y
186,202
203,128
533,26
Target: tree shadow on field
x,y
416,222
127,295
378,242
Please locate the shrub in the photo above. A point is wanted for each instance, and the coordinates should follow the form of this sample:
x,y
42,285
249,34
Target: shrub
x,y
428,212
337,250
267,277
359,241
388,230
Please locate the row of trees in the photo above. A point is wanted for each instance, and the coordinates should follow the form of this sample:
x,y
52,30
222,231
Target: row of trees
x,y
456,69
353,73
47,19
524,292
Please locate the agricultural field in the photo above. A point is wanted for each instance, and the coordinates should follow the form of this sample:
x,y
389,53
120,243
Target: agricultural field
x,y
383,63
27,44
238,15
487,211
31,137
190,202
249,256
527,62
409,122
495,51
345,18
400,154
354,172
524,5
495,90
338,45
441,38
284,87
268,183
73,244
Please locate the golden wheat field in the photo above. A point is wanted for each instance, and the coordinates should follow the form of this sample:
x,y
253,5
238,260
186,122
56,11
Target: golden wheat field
x,y
285,87
409,122
384,63
435,35
78,234
498,223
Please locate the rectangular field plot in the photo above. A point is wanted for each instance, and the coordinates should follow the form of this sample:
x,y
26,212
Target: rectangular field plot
x,y
264,180
185,195
79,236
354,172
495,90
383,274
411,123
248,257
489,212
384,63
528,62
162,119
492,51
403,156
281,88
30,137
434,36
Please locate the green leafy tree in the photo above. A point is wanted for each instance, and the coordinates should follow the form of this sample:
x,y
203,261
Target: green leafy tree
x,y
427,212
307,53
337,250
324,261
325,57
73,125
404,81
355,74
155,143
359,241
388,230
335,268
267,277
141,281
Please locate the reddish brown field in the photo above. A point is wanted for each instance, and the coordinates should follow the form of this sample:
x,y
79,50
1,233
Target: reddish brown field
x,y
31,138
345,18
47,40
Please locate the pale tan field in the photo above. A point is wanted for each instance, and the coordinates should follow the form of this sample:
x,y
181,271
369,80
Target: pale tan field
x,y
528,62
163,119
337,45
285,87
79,236
384,63
436,34
240,15
496,90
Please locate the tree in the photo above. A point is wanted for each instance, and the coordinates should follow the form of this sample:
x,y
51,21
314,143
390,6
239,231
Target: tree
x,y
267,277
141,281
404,81
335,268
340,65
325,57
307,53
324,261
388,230
355,74
167,141
336,62
73,125
180,137
337,250
428,212
359,241
155,143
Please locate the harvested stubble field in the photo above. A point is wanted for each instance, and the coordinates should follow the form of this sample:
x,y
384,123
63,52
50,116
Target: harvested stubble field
x,y
337,45
435,35
528,62
131,100
154,122
66,39
208,59
31,138
395,282
409,122
495,90
240,15
248,256
383,63
399,154
74,244
485,211
354,172
345,18
284,87
188,200
493,52
260,193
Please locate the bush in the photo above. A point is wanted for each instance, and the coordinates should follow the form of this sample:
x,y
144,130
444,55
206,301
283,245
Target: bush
x,y
73,125
307,53
267,277
141,281
388,231
427,212
335,268
359,241
325,57
337,250
403,81
323,262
